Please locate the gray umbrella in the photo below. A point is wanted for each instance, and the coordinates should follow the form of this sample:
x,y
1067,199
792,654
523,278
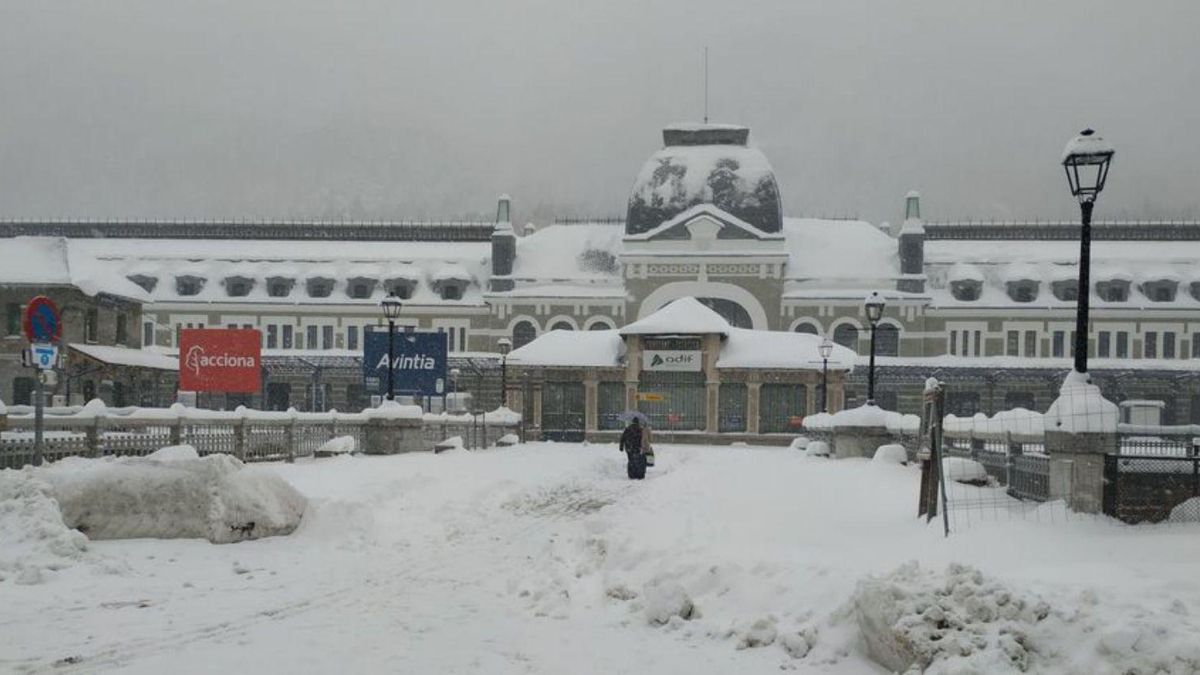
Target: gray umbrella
x,y
630,415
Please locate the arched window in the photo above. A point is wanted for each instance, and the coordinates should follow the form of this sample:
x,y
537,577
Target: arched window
x,y
887,340
846,335
735,314
600,325
523,333
562,325
807,328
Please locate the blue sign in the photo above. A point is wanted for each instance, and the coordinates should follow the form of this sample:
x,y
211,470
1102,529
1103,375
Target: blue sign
x,y
419,364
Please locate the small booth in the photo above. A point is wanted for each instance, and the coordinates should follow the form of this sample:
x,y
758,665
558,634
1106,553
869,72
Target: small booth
x,y
696,377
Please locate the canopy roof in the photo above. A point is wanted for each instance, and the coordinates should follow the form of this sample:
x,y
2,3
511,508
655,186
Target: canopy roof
x,y
685,316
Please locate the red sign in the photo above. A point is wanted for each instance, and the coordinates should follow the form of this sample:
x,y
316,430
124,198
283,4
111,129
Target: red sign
x,y
220,359
42,321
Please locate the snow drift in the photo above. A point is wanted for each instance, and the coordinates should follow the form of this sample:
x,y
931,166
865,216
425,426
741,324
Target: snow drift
x,y
172,494
32,531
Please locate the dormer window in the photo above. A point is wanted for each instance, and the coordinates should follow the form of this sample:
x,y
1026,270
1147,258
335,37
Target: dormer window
x,y
966,290
403,288
1195,289
450,282
1113,290
148,283
319,287
1066,290
280,287
1160,290
1022,290
238,287
360,288
188,284
452,291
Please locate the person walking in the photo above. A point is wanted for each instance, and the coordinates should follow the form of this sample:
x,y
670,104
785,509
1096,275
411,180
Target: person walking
x,y
633,442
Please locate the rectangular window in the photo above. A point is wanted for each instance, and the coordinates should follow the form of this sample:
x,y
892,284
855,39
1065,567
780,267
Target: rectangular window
x,y
272,336
1104,347
1030,343
247,326
310,337
1072,344
287,337
462,339
1168,350
351,337
147,334
326,337
1057,343
91,325
954,342
978,341
1150,345
12,318
450,340
178,330
1122,344
231,325
1195,345
1013,343
122,329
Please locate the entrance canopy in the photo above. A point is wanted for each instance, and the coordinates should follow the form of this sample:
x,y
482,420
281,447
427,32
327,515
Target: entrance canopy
x,y
740,347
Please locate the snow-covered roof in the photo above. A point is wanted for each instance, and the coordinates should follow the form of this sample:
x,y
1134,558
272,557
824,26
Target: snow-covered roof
x,y
964,272
124,356
769,349
685,316
569,252
450,272
59,261
1020,272
589,348
831,250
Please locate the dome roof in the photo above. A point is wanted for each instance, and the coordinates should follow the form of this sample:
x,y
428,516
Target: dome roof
x,y
705,164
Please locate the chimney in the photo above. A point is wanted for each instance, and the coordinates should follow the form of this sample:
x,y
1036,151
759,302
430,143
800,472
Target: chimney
x,y
504,247
912,247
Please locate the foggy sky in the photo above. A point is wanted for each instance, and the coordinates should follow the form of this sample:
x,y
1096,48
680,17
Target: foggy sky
x,y
391,108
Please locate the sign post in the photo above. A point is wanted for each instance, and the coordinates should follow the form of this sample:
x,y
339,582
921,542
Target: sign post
x,y
43,328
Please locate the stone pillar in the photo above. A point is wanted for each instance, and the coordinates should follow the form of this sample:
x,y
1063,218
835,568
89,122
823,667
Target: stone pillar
x,y
536,411
837,393
812,391
859,441
591,401
388,436
1079,474
713,407
753,392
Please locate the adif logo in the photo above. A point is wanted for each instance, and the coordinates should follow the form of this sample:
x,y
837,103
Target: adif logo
x,y
656,361
197,358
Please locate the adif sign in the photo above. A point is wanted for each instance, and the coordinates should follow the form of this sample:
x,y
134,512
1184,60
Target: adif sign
x,y
672,359
225,359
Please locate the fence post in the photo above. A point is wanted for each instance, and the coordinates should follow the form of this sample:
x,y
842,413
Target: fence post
x,y
177,431
976,446
239,439
291,439
93,437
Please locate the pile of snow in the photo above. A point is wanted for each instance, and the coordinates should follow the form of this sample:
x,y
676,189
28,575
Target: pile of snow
x,y
393,410
503,415
664,599
892,453
508,440
799,443
817,449
452,443
338,445
172,494
1081,408
1017,421
1186,512
963,470
953,622
33,537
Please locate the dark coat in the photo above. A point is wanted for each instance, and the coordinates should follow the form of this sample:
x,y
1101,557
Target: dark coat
x,y
631,439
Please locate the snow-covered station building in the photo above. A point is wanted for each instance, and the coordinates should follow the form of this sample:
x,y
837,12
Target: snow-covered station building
x,y
986,307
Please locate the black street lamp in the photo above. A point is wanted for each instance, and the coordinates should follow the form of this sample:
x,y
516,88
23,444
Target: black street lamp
x,y
1085,159
826,350
391,310
874,304
505,346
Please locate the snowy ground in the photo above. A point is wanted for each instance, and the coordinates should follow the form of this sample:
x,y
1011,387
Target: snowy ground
x,y
545,559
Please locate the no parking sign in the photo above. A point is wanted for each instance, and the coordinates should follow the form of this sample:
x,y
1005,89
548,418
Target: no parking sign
x,y
42,323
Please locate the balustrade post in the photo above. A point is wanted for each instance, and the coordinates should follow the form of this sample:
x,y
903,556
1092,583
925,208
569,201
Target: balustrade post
x,y
177,431
93,437
291,440
239,439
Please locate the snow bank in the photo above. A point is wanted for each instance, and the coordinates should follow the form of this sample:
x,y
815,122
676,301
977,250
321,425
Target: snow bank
x,y
173,453
892,453
817,449
1081,408
1186,512
964,470
34,537
799,443
665,599
1017,421
338,445
173,496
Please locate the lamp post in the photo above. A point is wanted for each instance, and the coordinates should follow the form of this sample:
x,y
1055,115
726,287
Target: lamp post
x,y
1085,159
874,304
391,310
826,350
505,346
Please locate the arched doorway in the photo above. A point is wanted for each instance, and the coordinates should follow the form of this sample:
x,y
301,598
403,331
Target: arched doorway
x,y
523,333
735,314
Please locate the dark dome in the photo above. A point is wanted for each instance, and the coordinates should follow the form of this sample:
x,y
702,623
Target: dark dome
x,y
705,164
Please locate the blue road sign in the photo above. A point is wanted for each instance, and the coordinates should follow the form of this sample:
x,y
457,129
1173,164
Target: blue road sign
x,y
420,362
42,321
